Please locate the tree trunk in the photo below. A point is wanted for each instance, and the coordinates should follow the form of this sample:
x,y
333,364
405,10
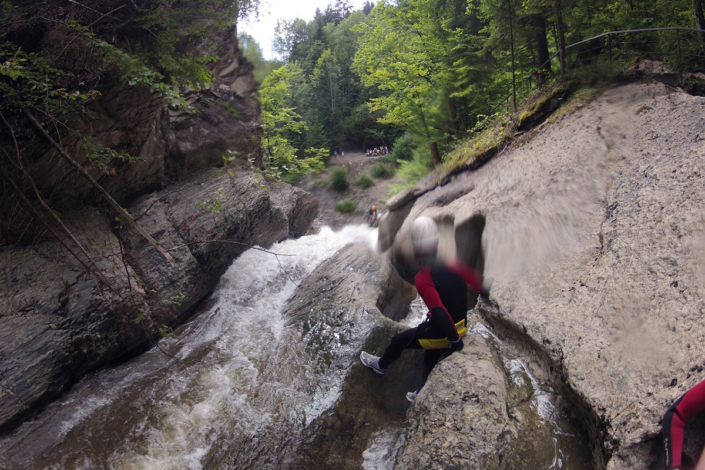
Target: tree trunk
x,y
542,47
511,38
435,157
561,35
699,18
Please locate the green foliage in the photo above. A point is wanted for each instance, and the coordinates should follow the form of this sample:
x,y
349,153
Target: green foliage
x,y
339,178
176,300
283,126
328,95
213,205
101,157
253,52
380,170
174,24
346,206
413,170
29,80
364,181
403,148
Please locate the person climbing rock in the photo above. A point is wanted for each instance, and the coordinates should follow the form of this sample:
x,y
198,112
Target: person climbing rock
x,y
443,289
686,407
371,217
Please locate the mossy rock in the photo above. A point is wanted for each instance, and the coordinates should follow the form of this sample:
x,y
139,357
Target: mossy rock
x,y
545,105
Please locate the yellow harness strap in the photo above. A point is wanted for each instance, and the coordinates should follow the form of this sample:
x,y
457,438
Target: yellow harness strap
x,y
443,343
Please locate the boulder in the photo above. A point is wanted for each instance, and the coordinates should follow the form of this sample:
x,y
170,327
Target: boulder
x,y
339,307
594,234
459,419
215,125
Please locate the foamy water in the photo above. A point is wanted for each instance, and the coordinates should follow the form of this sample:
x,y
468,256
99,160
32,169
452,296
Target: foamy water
x,y
238,368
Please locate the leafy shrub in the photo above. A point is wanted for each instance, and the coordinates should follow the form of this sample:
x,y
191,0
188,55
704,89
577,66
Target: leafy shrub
x,y
346,207
364,182
380,170
339,179
403,148
415,169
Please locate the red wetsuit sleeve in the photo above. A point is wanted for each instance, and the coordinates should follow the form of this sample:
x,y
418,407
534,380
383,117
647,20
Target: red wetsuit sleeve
x,y
471,277
439,315
689,405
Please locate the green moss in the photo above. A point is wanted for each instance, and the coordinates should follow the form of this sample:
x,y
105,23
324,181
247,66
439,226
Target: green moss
x,y
541,105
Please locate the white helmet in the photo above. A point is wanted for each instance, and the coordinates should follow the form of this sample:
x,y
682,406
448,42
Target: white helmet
x,y
424,236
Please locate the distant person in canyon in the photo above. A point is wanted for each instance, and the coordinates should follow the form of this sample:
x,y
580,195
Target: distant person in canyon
x,y
371,216
685,408
444,290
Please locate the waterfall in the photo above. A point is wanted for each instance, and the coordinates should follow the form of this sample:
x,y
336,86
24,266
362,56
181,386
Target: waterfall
x,y
236,369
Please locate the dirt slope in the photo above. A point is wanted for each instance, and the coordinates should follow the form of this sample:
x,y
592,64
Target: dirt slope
x,y
356,164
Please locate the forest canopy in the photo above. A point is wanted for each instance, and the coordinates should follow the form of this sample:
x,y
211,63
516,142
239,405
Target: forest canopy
x,y
421,71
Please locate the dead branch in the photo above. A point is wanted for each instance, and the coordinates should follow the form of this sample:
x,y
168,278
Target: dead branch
x,y
48,209
229,242
95,184
60,240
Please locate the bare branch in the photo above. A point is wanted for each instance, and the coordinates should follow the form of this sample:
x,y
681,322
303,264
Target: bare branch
x,y
229,242
95,184
94,11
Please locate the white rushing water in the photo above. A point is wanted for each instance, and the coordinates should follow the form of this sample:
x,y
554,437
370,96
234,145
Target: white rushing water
x,y
236,369
383,448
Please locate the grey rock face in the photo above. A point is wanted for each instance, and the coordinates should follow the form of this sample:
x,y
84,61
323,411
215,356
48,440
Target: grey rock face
x,y
58,322
594,234
169,143
459,419
338,310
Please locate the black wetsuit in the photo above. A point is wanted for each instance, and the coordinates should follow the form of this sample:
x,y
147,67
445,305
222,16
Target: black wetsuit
x,y
444,290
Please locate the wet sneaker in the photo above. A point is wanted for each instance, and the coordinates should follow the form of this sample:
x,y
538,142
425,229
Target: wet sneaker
x,y
368,360
411,396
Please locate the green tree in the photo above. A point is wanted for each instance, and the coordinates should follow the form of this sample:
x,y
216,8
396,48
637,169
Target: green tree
x,y
281,123
253,52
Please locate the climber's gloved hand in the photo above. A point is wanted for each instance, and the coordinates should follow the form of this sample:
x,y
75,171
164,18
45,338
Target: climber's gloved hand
x,y
457,345
486,286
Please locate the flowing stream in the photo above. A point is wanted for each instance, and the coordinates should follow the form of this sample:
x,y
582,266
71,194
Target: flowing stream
x,y
240,391
235,371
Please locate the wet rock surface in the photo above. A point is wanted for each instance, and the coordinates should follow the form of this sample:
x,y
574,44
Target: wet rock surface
x,y
57,321
459,419
595,238
339,308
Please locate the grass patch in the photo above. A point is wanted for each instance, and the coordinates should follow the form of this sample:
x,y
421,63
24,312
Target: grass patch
x,y
364,181
339,179
346,207
380,170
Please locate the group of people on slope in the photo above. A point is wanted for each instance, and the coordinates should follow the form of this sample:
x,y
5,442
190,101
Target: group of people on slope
x,y
377,151
443,288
